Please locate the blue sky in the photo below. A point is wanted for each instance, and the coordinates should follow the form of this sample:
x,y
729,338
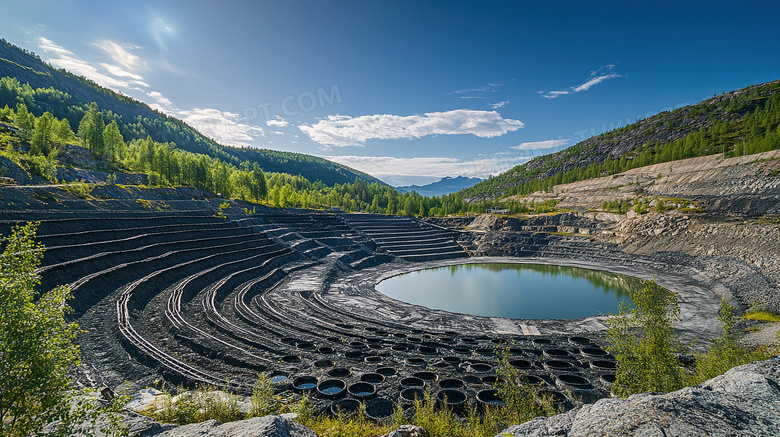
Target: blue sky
x,y
407,91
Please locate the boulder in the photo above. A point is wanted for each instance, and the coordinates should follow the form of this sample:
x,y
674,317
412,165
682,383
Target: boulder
x,y
268,426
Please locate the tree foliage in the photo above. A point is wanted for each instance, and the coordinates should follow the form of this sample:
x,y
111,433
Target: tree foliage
x,y
36,342
644,342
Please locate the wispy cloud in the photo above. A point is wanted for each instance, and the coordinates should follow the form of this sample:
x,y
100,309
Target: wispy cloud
x,y
341,131
278,122
499,104
410,171
538,145
121,55
596,77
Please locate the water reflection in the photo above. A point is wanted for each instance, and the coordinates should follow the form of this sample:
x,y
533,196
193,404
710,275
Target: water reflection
x,y
521,291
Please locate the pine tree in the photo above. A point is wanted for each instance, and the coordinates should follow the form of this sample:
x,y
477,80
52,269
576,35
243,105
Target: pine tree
x,y
91,130
113,141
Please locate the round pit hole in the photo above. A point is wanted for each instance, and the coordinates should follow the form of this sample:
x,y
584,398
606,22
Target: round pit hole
x,y
426,376
339,372
557,398
594,352
532,380
451,383
556,353
291,359
452,360
492,379
379,408
372,378
399,335
515,351
375,346
371,329
535,352
373,340
305,383
331,388
382,333
481,367
287,340
484,351
573,380
462,350
416,331
333,339
520,364
324,364
326,350
414,361
414,339
345,326
399,348
357,344
373,359
451,333
603,365
608,378
557,365
579,341
586,396
446,339
362,390
452,398
305,346
345,406
497,340
408,395
490,397
467,340
542,341
387,371
473,380
427,350
276,377
411,381
353,354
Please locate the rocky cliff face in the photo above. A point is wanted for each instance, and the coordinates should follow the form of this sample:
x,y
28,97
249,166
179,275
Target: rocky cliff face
x,y
745,401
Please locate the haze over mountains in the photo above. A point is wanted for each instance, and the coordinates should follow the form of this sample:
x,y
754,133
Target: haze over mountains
x,y
446,185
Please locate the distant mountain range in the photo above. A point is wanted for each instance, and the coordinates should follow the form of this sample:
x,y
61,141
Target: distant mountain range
x,y
444,186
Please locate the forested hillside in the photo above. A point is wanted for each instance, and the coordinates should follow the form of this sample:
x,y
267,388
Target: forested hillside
x,y
740,122
24,78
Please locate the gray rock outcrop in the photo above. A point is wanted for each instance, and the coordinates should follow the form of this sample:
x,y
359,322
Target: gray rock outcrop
x,y
745,401
268,426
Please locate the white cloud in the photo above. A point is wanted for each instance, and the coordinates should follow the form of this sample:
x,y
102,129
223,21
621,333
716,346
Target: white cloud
x,y
595,78
536,145
120,54
66,59
341,131
117,71
411,171
499,104
278,122
162,103
223,126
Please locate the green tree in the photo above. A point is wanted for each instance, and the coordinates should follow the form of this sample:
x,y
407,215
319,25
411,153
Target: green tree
x,y
35,340
42,134
643,340
259,185
24,119
64,132
91,130
113,141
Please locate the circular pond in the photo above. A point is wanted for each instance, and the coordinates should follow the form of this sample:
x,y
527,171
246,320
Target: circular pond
x,y
516,291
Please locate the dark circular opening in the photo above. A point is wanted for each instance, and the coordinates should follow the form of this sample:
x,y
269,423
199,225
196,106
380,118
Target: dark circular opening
x,y
373,359
451,383
410,394
490,397
609,378
345,406
558,365
371,329
372,378
451,396
515,351
381,332
345,326
586,396
554,396
333,339
462,350
287,340
492,379
427,350
357,344
485,351
291,359
326,350
324,364
531,380
467,340
446,339
379,408
451,359
399,348
414,361
497,340
387,371
481,367
399,335
542,341
373,340
331,387
603,365
521,364
276,377
556,353
593,352
305,383
574,380
414,339
411,381
305,345
578,341
416,331
353,354
339,372
362,390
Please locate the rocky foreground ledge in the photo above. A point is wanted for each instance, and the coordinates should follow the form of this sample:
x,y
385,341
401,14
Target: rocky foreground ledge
x,y
745,401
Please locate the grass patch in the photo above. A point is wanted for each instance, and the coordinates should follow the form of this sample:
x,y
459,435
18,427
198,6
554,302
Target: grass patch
x,y
762,316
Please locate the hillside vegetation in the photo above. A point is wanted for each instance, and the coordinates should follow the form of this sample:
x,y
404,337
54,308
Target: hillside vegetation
x,y
741,122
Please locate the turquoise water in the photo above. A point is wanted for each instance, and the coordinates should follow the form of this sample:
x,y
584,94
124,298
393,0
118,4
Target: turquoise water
x,y
516,291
